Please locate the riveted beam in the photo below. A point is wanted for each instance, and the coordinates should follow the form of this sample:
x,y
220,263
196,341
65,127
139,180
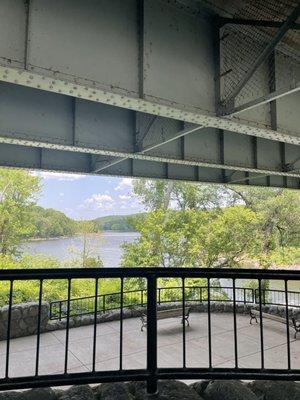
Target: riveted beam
x,y
41,82
138,156
64,161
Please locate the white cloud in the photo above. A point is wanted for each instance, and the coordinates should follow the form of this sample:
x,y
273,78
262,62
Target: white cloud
x,y
60,176
61,194
126,183
98,201
124,197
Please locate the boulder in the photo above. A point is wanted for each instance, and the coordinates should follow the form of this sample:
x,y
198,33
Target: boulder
x,y
228,390
10,396
38,394
82,392
275,390
167,390
113,391
200,387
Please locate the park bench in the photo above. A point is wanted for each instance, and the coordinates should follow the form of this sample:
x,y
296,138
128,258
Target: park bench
x,y
254,314
169,313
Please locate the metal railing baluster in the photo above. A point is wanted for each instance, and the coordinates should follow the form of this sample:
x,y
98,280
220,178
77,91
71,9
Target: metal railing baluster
x,y
152,334
11,288
183,325
209,324
287,324
121,324
39,329
235,324
67,327
261,325
95,325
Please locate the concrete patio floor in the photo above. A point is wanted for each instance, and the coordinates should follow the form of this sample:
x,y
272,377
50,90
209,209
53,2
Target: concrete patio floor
x,y
52,346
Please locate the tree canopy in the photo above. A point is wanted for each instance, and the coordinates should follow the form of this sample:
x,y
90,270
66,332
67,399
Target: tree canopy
x,y
212,225
18,193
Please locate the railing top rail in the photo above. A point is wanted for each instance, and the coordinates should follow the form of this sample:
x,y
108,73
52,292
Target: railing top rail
x,y
79,273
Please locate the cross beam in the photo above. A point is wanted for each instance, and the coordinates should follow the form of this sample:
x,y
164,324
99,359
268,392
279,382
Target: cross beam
x,y
102,165
277,94
255,22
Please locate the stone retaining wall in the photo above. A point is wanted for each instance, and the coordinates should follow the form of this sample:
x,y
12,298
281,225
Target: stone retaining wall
x,y
215,307
175,390
24,317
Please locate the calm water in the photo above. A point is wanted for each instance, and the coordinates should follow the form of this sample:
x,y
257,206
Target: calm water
x,y
107,246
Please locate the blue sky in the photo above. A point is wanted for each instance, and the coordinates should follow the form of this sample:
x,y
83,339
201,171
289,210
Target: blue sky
x,y
88,197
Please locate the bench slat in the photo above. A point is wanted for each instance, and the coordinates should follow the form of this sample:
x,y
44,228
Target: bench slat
x,y
170,313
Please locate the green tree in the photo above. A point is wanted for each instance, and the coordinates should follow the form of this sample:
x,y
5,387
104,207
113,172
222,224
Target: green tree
x,y
226,227
161,194
18,193
50,223
279,212
87,257
193,238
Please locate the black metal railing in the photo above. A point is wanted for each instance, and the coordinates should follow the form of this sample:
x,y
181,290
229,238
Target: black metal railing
x,y
152,372
81,306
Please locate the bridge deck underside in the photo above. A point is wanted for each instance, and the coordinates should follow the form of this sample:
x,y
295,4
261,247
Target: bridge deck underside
x,y
133,88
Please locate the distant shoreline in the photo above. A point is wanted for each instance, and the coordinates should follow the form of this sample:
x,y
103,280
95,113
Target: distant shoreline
x,y
70,237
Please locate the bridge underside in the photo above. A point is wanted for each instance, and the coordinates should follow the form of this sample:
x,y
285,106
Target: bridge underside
x,y
157,89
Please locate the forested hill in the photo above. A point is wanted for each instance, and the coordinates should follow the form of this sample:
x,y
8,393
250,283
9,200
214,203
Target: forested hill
x,y
50,223
121,223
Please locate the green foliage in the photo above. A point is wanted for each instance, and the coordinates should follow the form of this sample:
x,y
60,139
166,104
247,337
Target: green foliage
x,y
231,237
194,238
120,223
18,191
159,194
213,226
50,223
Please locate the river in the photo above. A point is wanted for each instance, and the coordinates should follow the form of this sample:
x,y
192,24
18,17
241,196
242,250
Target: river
x,y
108,247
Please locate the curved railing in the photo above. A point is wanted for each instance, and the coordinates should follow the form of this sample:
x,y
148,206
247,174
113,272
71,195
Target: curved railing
x,y
151,373
81,306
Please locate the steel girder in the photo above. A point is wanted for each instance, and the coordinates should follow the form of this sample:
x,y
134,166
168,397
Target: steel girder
x,y
130,88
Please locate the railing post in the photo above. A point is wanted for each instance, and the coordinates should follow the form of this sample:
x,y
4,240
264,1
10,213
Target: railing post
x,y
151,335
159,298
60,310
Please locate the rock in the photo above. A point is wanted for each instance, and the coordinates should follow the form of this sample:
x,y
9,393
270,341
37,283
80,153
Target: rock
x,y
200,387
228,390
39,394
272,390
10,396
24,319
82,392
167,390
113,391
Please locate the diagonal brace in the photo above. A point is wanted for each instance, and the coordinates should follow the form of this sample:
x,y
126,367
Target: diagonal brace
x,y
267,51
113,161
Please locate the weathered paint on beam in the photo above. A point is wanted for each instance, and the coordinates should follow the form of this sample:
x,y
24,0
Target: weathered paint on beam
x,y
34,80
